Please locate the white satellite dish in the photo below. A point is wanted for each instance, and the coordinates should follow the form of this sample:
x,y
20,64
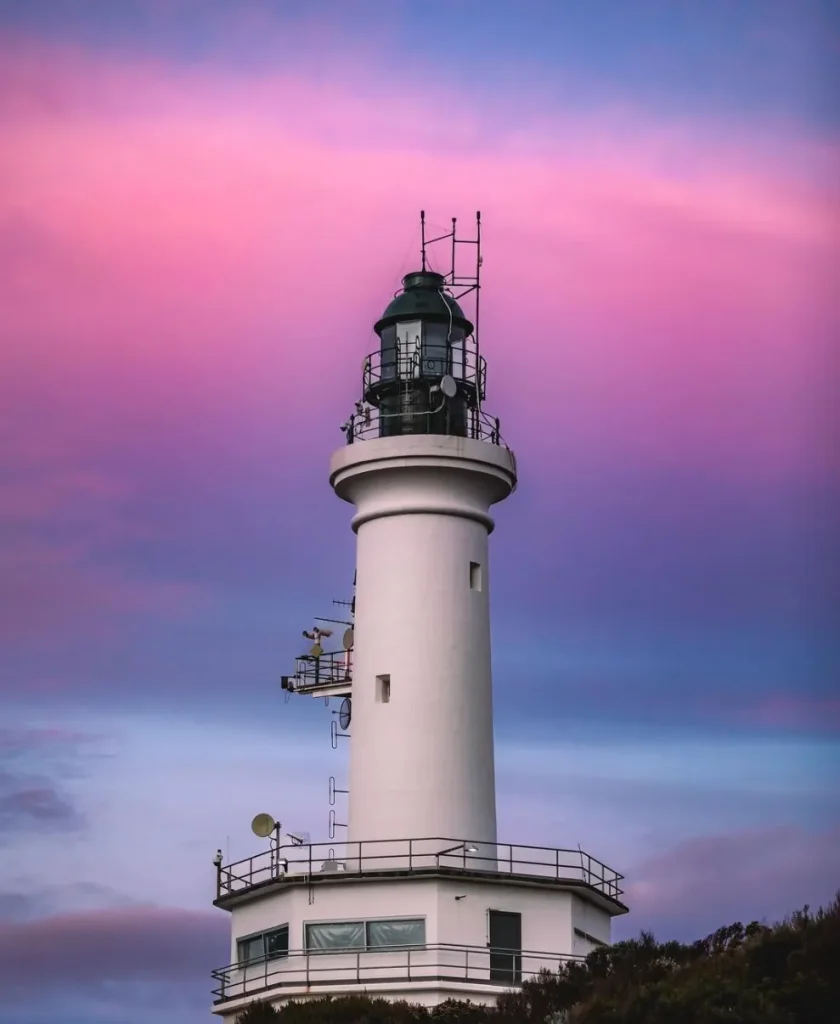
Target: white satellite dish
x,y
263,825
347,639
448,386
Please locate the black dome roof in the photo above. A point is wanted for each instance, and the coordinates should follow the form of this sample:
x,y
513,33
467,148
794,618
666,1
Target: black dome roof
x,y
422,299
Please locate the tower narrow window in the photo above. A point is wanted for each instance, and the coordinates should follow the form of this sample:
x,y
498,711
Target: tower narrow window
x,y
383,689
475,576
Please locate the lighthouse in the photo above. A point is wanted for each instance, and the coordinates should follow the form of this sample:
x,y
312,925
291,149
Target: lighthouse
x,y
413,897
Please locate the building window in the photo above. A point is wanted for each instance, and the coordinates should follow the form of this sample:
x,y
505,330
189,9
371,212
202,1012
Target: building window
x,y
475,576
383,689
391,933
267,946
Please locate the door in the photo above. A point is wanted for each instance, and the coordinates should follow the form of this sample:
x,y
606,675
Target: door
x,y
505,932
408,347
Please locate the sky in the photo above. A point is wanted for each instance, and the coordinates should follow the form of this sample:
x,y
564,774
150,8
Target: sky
x,y
204,207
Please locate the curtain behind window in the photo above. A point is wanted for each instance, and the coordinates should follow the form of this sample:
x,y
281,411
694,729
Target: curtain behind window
x,y
251,949
396,933
346,935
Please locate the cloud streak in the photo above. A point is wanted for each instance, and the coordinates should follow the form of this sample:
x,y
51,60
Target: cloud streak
x,y
91,949
168,284
758,874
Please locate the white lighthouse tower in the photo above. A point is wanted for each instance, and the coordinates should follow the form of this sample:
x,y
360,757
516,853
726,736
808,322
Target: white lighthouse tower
x,y
418,900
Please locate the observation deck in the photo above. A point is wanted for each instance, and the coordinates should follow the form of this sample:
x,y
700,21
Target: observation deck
x,y
380,971
409,954
318,863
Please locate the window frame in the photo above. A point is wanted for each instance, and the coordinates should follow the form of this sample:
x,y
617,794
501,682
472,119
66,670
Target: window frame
x,y
367,947
242,961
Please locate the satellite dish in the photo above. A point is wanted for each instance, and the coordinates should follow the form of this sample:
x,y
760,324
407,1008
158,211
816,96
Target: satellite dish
x,y
316,650
263,825
448,386
345,713
347,640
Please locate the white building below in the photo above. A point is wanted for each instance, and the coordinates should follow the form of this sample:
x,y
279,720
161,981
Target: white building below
x,y
433,925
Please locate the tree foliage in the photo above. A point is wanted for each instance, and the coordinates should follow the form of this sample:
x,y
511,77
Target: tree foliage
x,y
787,973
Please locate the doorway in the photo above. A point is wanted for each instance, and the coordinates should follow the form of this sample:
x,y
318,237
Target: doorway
x,y
505,934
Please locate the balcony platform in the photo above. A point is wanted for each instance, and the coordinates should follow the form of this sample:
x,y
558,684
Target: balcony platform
x,y
327,675
320,864
425,975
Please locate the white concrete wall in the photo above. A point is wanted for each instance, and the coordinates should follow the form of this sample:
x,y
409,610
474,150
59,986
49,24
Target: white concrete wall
x,y
547,928
546,918
300,906
344,901
592,920
422,764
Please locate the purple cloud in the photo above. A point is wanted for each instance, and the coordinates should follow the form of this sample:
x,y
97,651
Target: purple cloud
x,y
85,950
27,806
32,796
756,874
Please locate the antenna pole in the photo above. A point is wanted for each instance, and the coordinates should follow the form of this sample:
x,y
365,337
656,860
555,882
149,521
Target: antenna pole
x,y
478,303
453,252
423,237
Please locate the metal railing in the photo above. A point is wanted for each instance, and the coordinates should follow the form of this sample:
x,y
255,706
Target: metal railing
x,y
479,425
429,362
443,962
329,669
403,856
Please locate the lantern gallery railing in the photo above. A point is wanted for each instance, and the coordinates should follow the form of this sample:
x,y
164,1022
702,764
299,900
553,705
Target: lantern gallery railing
x,y
406,856
442,962
413,362
478,425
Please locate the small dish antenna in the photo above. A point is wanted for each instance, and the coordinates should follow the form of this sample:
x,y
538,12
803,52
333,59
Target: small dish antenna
x,y
448,386
347,640
345,713
263,825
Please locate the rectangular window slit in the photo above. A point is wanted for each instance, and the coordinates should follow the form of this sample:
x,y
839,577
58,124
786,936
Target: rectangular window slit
x,y
475,576
383,689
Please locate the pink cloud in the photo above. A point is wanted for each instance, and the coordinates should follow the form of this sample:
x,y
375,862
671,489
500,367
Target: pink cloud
x,y
192,261
178,235
757,874
780,710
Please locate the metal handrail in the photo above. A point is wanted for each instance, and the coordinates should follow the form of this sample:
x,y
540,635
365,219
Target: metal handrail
x,y
480,426
465,366
463,963
332,668
415,855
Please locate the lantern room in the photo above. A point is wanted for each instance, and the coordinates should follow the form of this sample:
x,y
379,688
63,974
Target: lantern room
x,y
426,377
